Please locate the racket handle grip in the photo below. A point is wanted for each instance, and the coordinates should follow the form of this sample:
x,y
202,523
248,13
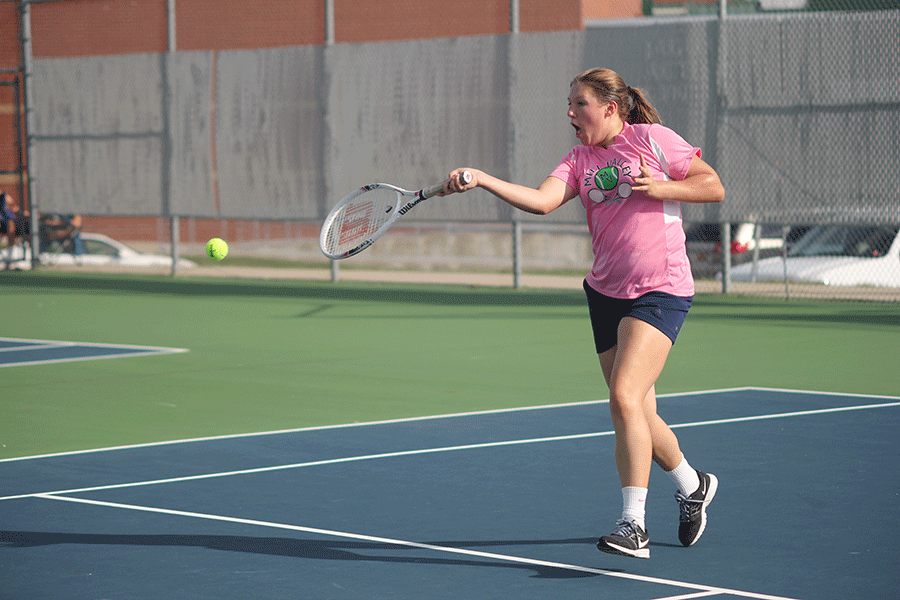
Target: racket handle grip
x,y
465,176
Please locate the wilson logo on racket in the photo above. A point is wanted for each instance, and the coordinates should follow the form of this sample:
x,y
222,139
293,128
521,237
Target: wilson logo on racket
x,y
409,205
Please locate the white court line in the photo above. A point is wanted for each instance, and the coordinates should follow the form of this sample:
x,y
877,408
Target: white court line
x,y
815,393
705,589
92,344
234,436
798,413
423,451
414,419
316,463
46,344
32,347
689,596
51,361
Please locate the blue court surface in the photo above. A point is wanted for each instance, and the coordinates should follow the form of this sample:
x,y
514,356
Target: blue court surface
x,y
504,504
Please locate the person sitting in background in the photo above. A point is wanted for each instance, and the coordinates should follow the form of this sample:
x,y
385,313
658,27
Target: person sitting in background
x,y
61,233
13,221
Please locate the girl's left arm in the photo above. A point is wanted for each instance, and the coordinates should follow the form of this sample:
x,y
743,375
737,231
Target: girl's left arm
x,y
700,184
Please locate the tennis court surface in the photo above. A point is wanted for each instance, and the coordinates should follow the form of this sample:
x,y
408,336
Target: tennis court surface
x,y
500,504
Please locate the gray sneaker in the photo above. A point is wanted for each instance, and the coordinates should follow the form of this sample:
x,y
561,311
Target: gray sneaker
x,y
627,540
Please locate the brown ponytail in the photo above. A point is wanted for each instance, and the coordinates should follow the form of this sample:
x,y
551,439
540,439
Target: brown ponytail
x,y
608,86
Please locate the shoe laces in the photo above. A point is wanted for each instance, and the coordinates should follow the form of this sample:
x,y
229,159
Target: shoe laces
x,y
688,506
625,528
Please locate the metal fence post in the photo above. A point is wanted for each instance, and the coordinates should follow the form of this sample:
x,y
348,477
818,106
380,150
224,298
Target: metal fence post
x,y
517,253
726,257
28,89
721,132
166,175
513,65
329,43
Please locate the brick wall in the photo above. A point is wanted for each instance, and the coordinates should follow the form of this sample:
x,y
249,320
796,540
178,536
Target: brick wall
x,y
86,27
93,27
10,58
9,36
244,24
9,158
611,9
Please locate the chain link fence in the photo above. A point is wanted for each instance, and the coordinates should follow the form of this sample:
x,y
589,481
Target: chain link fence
x,y
796,104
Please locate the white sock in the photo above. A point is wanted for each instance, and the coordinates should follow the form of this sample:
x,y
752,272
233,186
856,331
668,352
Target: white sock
x,y
634,500
685,477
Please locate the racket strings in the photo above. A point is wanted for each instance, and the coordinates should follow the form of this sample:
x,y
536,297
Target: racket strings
x,y
359,219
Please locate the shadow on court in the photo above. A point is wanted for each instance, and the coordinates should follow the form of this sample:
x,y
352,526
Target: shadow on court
x,y
303,549
298,290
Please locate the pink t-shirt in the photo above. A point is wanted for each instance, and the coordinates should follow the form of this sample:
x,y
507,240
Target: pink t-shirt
x,y
638,241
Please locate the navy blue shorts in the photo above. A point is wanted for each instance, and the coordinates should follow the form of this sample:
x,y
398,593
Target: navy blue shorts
x,y
664,311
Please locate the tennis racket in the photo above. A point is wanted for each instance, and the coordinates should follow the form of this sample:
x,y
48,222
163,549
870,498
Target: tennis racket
x,y
367,213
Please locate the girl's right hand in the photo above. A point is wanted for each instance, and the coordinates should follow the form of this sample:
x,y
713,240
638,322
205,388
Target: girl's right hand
x,y
456,184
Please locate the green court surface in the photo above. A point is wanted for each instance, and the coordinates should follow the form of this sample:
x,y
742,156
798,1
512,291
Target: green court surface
x,y
272,355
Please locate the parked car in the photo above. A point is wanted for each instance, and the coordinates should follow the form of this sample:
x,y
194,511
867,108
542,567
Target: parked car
x,y
704,244
99,250
835,255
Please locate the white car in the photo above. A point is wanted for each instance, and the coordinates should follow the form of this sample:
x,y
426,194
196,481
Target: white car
x,y
704,247
99,250
834,255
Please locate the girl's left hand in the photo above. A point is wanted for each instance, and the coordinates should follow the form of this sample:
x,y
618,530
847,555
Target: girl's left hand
x,y
645,183
701,184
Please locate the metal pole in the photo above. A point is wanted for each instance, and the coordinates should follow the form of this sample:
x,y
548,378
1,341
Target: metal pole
x,y
757,238
20,151
513,65
784,242
514,23
517,253
27,74
329,42
329,22
722,108
726,257
174,224
170,13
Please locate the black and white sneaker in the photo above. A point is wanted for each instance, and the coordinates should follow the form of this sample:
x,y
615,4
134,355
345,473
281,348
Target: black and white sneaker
x,y
692,520
627,540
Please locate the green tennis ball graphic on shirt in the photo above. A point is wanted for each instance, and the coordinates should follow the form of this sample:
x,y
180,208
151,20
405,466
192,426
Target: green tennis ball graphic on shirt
x,y
607,178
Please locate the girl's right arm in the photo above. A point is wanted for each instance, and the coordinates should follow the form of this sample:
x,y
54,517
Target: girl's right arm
x,y
548,196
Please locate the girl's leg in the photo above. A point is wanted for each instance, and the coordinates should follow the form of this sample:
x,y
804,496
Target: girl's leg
x,y
666,451
631,369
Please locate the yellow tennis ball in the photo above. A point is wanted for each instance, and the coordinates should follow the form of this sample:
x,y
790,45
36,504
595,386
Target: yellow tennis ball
x,y
216,248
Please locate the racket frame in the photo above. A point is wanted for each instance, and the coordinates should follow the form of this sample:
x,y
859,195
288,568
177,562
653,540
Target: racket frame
x,y
398,210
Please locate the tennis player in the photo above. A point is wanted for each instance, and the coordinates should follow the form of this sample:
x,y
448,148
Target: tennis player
x,y
631,174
